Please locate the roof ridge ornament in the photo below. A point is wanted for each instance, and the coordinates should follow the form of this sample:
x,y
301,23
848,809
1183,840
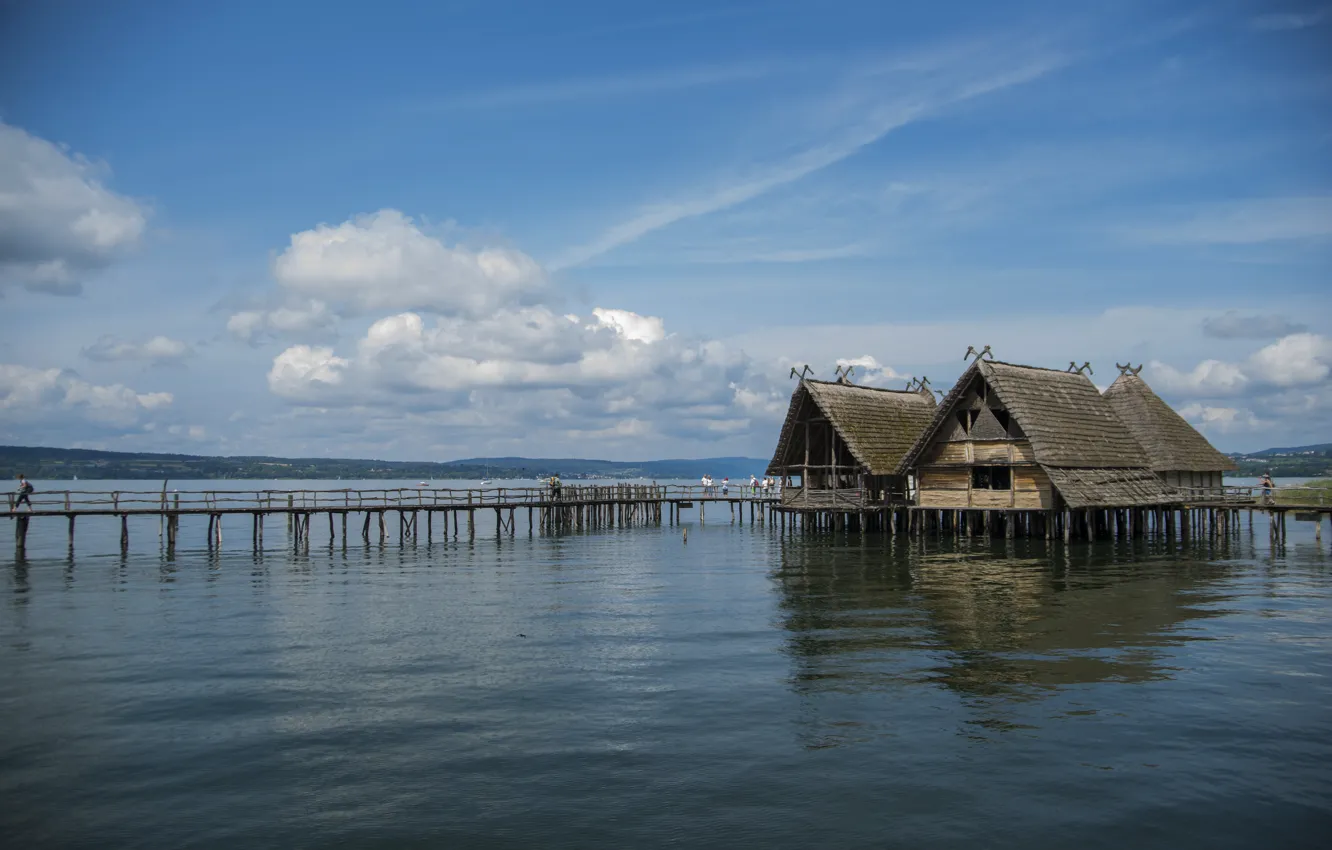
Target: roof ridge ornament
x,y
971,349
1084,368
804,370
844,373
919,384
1127,368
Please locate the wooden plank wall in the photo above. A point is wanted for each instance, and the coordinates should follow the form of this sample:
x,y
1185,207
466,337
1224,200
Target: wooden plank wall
x,y
945,478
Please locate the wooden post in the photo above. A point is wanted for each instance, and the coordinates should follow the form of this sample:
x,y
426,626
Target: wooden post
x,y
72,517
124,532
21,534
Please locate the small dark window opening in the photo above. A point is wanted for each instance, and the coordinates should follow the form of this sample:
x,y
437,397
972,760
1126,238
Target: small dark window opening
x,y
963,420
991,478
1002,416
973,416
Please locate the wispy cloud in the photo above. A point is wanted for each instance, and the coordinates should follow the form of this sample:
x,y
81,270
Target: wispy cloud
x,y
1247,222
604,87
857,120
1278,21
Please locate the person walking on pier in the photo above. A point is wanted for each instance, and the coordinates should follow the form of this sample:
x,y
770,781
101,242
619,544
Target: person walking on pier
x,y
555,487
1266,483
25,489
726,486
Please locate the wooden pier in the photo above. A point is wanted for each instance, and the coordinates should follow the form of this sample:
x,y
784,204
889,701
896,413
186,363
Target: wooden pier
x,y
1199,513
370,514
449,513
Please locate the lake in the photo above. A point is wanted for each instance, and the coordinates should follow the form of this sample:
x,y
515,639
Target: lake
x,y
625,688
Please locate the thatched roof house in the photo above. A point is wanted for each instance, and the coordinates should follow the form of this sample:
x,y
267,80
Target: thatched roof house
x,y
1174,448
847,442
1021,438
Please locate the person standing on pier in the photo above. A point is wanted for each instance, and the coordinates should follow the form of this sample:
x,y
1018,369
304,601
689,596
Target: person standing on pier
x,y
25,490
1266,483
555,487
726,486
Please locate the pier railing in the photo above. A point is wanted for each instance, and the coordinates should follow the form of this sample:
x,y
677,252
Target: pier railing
x,y
393,498
201,501
1248,494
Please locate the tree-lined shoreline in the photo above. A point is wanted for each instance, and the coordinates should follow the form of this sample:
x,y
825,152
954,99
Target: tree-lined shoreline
x,y
64,464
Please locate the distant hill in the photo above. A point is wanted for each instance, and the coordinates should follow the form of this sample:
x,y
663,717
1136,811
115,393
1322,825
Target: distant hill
x,y
1314,460
63,464
1321,449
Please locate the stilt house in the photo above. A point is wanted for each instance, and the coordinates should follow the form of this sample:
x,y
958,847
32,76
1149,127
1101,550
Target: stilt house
x,y
846,444
1175,450
1010,437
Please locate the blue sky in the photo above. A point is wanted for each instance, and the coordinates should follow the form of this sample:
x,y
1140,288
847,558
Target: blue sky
x,y
441,230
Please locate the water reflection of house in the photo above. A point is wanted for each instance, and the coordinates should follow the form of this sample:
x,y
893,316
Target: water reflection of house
x,y
983,623
1180,455
846,444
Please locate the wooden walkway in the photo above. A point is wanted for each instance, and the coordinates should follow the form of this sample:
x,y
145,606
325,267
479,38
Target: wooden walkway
x,y
1197,512
571,507
584,507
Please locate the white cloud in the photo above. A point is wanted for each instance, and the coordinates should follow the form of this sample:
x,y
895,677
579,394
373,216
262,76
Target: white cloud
x,y
631,325
1301,359
57,220
1222,420
614,374
1210,377
30,395
297,318
1294,360
871,372
384,261
159,349
1234,325
303,371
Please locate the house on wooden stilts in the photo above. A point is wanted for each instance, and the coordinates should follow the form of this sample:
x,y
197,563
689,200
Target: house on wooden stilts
x,y
845,443
1175,450
1038,448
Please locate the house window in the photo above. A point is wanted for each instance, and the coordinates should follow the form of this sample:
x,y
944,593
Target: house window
x,y
991,478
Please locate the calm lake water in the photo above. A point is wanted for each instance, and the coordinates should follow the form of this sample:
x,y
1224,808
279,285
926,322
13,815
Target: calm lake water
x,y
624,689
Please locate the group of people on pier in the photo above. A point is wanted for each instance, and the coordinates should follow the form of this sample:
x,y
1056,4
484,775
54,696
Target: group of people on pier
x,y
754,487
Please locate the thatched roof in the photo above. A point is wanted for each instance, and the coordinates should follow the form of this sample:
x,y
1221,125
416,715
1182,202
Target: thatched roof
x,y
877,425
1171,444
1066,419
1122,488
